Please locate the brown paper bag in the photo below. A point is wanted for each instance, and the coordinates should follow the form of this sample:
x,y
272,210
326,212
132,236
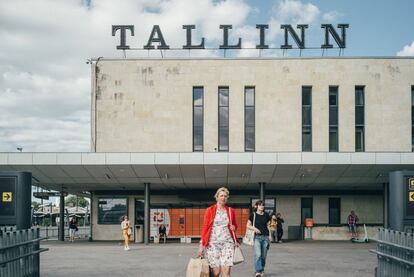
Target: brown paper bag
x,y
197,267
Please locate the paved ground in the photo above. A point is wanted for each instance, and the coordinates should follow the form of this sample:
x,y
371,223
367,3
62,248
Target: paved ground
x,y
298,258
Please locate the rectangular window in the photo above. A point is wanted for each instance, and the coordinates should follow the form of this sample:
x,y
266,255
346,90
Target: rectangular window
x,y
223,122
306,208
333,119
198,118
249,119
412,118
334,210
359,119
306,119
110,210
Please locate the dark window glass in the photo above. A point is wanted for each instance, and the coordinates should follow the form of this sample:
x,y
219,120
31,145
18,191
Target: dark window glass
x,y
223,120
359,139
334,211
224,139
139,211
198,118
223,96
306,208
306,139
333,116
359,115
359,119
249,119
110,210
306,119
198,96
359,96
224,116
412,138
307,116
198,139
249,92
306,96
333,139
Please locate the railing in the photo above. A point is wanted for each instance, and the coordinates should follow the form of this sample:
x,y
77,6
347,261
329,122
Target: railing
x,y
19,253
395,253
53,232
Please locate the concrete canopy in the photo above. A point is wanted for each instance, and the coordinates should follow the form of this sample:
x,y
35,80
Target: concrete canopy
x,y
81,172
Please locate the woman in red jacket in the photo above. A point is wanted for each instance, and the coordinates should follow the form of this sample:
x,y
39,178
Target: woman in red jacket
x,y
218,235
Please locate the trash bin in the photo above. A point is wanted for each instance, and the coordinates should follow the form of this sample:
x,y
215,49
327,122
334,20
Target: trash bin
x,y
139,233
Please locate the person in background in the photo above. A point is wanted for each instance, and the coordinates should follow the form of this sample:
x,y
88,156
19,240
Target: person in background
x,y
272,228
162,232
72,229
352,224
280,222
258,222
217,241
125,234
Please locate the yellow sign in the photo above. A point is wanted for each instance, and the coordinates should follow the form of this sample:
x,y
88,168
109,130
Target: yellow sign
x,y
411,196
7,197
411,184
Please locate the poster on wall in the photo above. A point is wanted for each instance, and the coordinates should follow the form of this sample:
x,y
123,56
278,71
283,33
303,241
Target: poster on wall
x,y
158,217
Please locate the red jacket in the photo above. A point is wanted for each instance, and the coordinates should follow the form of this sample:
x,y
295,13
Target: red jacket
x,y
208,223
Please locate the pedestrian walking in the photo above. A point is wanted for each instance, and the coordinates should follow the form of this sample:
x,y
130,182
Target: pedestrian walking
x,y
217,242
352,224
280,222
73,227
273,228
262,236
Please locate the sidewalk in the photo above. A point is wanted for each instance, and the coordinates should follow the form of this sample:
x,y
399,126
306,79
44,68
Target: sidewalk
x,y
297,258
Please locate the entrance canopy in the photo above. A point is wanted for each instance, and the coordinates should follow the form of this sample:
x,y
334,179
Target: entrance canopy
x,y
81,172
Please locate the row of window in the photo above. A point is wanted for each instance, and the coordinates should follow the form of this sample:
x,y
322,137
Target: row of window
x,y
249,119
333,119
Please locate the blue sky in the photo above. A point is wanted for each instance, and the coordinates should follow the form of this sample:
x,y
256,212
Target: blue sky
x,y
45,81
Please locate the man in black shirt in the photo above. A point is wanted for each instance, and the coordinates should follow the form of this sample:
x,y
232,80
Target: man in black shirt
x,y
258,222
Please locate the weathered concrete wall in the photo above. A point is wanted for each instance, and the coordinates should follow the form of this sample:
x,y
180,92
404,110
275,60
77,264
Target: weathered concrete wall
x,y
340,233
146,105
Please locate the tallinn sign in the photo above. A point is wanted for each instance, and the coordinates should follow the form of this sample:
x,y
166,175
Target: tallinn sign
x,y
156,36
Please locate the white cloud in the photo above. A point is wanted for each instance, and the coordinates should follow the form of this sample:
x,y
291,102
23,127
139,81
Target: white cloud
x,y
44,81
408,50
331,16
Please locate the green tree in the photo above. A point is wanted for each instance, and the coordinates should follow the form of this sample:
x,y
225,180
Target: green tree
x,y
73,199
35,205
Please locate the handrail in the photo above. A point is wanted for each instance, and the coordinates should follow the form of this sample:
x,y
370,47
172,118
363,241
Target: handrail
x,y
22,243
396,245
381,254
25,255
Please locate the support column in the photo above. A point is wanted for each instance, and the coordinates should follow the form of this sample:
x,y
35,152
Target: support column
x,y
262,191
62,217
147,213
385,203
90,218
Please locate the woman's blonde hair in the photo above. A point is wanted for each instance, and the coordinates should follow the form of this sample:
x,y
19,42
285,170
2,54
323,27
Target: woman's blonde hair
x,y
222,189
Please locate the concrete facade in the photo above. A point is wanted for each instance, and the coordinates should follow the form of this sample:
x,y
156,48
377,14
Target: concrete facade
x,y
146,105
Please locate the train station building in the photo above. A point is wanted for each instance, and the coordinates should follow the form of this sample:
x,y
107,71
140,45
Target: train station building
x,y
315,137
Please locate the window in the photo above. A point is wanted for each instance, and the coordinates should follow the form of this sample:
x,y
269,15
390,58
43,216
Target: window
x,y
306,119
223,119
334,210
412,118
110,210
333,119
198,118
249,119
306,208
359,119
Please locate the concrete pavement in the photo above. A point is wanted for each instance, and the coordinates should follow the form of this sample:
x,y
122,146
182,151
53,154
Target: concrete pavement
x,y
296,258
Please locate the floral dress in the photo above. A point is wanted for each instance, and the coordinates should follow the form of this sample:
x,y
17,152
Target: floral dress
x,y
220,250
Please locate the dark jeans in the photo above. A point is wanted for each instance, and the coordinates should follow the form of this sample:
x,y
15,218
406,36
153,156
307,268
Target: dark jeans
x,y
279,234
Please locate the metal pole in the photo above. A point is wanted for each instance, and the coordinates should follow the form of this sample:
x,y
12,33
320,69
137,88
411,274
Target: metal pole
x,y
262,191
147,213
90,218
62,217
